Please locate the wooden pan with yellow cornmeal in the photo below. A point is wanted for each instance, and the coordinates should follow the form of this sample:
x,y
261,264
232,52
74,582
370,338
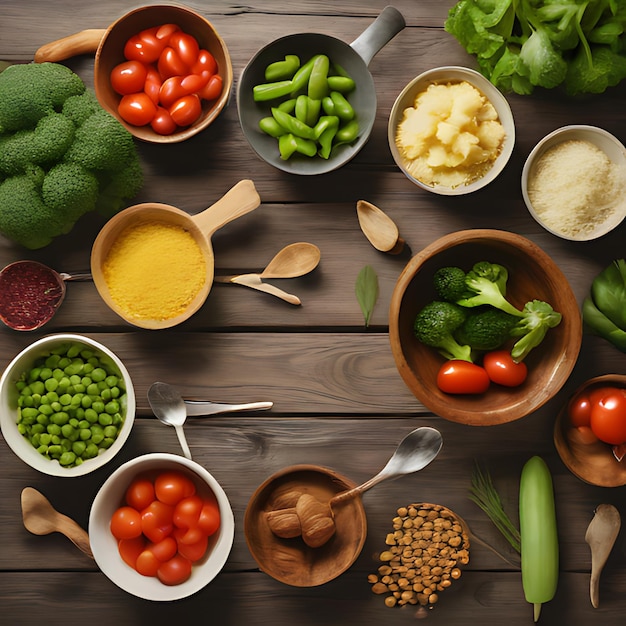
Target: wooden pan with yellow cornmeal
x,y
153,263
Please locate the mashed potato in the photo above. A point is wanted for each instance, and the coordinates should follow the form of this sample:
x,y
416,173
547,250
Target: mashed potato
x,y
451,136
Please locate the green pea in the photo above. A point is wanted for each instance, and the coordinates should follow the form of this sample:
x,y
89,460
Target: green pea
x,y
51,384
91,451
78,448
67,458
98,406
55,451
37,387
91,416
93,390
37,429
45,373
110,431
104,419
84,434
112,381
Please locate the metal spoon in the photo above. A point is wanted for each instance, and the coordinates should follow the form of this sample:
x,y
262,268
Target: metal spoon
x,y
296,259
601,535
170,408
41,518
413,453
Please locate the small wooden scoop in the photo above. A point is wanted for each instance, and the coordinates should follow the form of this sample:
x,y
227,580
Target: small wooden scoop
x,y
379,228
601,535
41,518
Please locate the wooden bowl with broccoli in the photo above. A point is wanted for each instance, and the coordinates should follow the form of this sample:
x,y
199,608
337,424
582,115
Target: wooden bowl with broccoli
x,y
491,340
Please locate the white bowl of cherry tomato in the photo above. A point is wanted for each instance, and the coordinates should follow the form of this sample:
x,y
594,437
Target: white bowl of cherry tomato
x,y
161,527
590,431
487,386
164,72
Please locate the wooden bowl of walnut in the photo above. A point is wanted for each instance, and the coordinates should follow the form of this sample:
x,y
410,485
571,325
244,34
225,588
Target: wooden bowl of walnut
x,y
291,533
426,548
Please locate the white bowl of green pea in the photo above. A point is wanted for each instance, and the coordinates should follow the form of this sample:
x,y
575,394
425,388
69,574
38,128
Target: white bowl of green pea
x,y
67,405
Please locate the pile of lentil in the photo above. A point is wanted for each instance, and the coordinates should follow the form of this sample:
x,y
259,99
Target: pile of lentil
x,y
425,551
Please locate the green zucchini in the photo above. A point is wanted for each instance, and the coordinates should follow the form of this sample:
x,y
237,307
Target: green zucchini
x,y
539,538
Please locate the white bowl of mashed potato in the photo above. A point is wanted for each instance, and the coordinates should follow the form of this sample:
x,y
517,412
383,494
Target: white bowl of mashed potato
x,y
574,182
451,131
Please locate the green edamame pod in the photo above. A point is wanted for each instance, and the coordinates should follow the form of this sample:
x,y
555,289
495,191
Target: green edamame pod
x,y
313,111
338,70
281,70
288,106
348,133
328,105
271,127
286,146
302,108
343,109
343,84
327,138
293,125
271,91
318,82
302,76
325,122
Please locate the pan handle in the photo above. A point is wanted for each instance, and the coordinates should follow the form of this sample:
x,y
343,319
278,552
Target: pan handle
x,y
382,30
237,201
83,42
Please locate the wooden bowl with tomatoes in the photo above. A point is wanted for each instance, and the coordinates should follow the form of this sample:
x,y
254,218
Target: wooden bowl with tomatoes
x,y
161,527
590,431
462,391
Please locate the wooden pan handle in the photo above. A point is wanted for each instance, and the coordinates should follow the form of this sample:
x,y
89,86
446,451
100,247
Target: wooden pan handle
x,y
83,42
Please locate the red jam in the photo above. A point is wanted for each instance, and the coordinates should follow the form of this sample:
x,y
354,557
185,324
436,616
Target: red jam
x,y
30,293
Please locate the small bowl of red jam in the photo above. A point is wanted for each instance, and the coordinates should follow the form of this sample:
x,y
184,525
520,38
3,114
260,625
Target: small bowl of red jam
x,y
30,294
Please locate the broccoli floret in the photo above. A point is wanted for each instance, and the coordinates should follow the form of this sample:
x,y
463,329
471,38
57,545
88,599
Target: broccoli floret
x,y
486,284
23,215
538,317
32,91
435,325
449,283
70,190
58,144
486,329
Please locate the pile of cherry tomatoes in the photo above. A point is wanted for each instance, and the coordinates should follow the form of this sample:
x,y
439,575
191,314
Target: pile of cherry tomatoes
x,y
164,79
163,527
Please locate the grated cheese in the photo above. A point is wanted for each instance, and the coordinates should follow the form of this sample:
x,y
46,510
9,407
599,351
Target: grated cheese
x,y
575,188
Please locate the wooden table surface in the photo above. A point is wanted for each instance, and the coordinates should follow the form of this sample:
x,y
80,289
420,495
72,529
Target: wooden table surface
x,y
338,398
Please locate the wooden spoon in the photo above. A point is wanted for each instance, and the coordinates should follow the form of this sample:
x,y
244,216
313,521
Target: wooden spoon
x,y
41,518
601,535
379,228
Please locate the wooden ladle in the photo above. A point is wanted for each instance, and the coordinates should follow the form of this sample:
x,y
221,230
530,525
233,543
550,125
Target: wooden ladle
x,y
379,228
601,535
41,518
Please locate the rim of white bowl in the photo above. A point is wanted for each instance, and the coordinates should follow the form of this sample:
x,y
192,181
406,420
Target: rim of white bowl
x,y
8,423
490,91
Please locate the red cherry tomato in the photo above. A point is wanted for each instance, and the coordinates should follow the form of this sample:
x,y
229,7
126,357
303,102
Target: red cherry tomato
x,y
194,82
144,47
140,493
579,410
152,86
170,64
205,62
165,31
186,46
128,77
171,90
187,512
162,123
165,549
147,564
194,551
172,486
137,109
213,89
186,110
608,417
157,521
130,549
462,377
126,523
175,571
209,520
503,370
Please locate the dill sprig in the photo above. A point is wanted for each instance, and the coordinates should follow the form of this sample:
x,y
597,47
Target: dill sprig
x,y
484,494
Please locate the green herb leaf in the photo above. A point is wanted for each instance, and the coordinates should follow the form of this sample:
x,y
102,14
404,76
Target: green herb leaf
x,y
367,291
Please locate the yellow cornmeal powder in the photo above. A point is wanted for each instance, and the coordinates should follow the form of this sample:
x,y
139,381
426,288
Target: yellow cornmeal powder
x,y
154,270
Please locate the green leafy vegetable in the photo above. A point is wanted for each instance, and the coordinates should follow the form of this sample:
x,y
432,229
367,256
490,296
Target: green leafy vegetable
x,y
367,291
604,311
522,44
484,494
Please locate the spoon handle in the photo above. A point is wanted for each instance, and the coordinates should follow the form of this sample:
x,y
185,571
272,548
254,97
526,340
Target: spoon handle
x,y
198,408
355,491
77,536
254,282
183,442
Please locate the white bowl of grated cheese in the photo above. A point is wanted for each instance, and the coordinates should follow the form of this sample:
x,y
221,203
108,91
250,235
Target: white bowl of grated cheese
x,y
574,182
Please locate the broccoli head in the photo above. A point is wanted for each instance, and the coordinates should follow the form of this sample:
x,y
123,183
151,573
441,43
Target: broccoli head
x,y
449,283
59,146
435,325
538,317
486,329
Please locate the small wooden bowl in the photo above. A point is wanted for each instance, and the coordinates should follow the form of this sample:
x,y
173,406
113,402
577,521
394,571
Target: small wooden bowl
x,y
291,561
593,463
532,275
